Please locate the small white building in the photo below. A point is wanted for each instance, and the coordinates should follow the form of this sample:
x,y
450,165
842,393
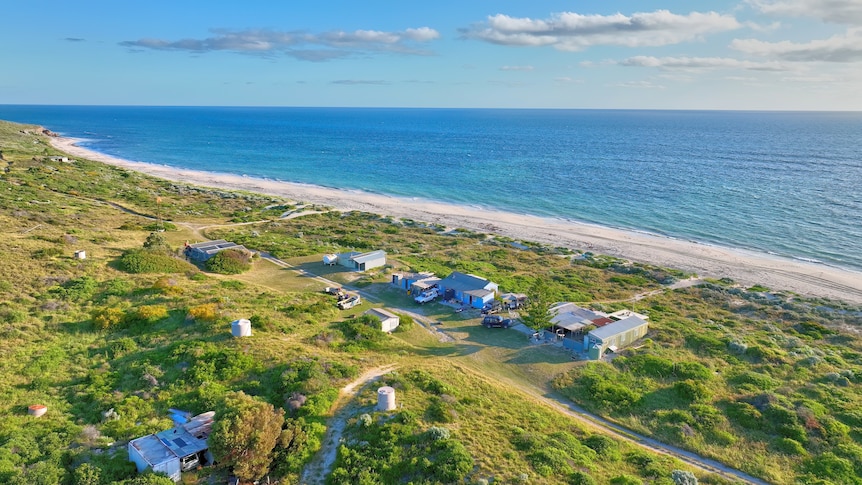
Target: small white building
x,y
362,261
388,320
80,254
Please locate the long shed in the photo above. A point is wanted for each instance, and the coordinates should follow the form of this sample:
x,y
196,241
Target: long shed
x,y
614,336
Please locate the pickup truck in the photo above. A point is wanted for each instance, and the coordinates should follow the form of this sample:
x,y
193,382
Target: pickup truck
x,y
350,302
427,295
332,290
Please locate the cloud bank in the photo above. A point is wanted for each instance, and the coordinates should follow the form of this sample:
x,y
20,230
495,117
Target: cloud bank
x,y
834,11
845,47
569,31
300,45
691,63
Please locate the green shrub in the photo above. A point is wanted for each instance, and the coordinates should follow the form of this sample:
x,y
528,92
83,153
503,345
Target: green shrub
x,y
229,261
579,477
789,446
603,445
77,289
692,391
626,480
692,370
745,415
754,381
832,467
141,261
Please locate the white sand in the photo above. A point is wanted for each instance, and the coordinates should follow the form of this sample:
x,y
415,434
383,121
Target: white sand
x,y
745,267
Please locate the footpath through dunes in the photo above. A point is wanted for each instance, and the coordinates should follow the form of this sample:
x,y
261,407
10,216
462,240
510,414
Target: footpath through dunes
x,y
745,267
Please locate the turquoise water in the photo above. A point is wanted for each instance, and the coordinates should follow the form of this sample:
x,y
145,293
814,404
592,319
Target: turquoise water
x,y
786,183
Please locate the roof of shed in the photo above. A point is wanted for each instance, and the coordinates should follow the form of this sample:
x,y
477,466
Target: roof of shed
x,y
370,256
381,313
618,327
464,282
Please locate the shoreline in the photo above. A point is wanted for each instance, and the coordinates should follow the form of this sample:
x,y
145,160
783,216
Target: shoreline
x,y
745,267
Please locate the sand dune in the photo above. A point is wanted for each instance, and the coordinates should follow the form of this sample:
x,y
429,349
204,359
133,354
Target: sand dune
x,y
745,267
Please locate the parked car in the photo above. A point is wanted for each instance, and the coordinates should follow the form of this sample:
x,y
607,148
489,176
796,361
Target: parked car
x,y
427,295
350,302
332,290
495,321
492,307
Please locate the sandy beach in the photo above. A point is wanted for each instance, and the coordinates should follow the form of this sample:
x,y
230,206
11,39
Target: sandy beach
x,y
745,267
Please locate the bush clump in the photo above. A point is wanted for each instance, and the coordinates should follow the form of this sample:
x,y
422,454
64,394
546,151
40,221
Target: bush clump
x,y
143,261
229,262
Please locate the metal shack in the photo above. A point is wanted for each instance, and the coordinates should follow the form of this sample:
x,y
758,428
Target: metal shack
x,y
176,450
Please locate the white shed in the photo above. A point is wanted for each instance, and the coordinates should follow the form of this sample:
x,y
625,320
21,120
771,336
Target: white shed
x,y
330,259
388,320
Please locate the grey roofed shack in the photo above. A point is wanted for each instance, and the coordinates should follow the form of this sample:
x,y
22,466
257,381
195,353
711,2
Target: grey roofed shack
x,y
167,451
468,289
203,251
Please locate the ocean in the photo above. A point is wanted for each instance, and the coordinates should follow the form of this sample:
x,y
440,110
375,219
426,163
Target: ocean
x,y
783,183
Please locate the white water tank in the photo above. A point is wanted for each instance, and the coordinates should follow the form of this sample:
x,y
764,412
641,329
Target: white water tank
x,y
240,328
386,399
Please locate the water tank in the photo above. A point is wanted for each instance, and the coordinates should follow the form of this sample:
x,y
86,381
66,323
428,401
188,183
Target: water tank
x,y
37,410
240,328
386,399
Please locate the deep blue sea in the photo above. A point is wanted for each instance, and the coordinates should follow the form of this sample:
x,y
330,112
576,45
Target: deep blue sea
x,y
786,183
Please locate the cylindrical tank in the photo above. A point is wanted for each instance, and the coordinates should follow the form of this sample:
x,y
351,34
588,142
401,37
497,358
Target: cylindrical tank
x,y
240,328
386,399
37,410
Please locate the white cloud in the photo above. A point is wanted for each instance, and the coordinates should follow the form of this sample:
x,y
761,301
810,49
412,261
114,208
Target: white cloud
x,y
568,80
640,85
571,31
846,47
305,46
702,63
516,68
835,11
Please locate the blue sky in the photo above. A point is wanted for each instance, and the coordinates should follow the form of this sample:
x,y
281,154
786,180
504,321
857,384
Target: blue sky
x,y
746,54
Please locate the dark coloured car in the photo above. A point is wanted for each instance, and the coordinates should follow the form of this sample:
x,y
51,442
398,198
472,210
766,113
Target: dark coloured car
x,y
495,321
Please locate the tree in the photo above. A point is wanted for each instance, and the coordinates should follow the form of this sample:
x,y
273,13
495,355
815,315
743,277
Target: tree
x,y
244,434
537,314
156,242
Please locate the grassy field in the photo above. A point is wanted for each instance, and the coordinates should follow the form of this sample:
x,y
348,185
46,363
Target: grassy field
x,y
763,381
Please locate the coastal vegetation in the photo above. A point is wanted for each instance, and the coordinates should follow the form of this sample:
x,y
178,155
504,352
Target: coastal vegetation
x,y
761,380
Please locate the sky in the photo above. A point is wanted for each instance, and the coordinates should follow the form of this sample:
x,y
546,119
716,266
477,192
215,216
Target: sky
x,y
737,55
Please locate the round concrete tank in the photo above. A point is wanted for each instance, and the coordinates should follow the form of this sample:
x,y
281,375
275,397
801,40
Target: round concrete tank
x,y
37,410
241,328
386,399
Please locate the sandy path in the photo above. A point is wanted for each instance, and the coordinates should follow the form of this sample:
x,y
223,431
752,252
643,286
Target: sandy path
x,y
318,469
745,267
